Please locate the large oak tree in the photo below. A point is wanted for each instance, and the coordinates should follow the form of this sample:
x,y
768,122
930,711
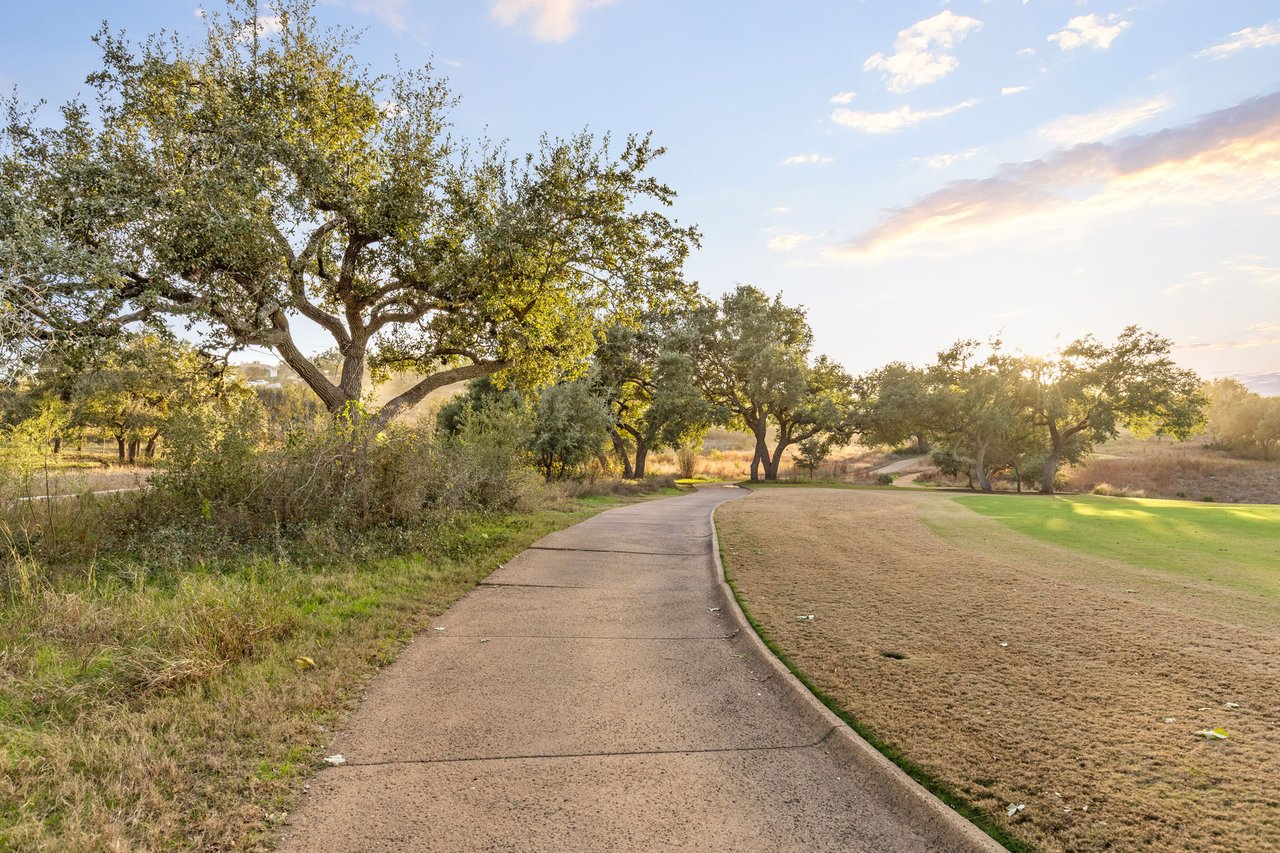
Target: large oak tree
x,y
262,178
1085,393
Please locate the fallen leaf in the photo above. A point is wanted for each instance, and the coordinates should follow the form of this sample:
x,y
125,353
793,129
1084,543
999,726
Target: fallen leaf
x,y
304,662
1214,734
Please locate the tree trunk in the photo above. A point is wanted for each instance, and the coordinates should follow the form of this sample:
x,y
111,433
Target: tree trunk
x,y
922,443
57,444
620,450
150,451
1017,478
120,446
1050,472
775,462
133,450
980,468
762,455
642,459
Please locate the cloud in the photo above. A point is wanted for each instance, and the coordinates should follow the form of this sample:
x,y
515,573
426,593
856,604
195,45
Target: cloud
x,y
1014,90
892,120
920,51
805,160
941,161
780,210
786,242
1090,31
843,97
390,12
1228,155
1026,52
553,20
1258,272
1098,125
1266,35
1265,334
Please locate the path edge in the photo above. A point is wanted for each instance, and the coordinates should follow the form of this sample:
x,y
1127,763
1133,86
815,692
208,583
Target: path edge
x,y
957,832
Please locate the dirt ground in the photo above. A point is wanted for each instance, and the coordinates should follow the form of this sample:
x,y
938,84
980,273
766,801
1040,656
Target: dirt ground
x,y
1020,673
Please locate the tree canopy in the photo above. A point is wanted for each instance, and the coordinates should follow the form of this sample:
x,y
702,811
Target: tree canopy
x,y
256,180
753,365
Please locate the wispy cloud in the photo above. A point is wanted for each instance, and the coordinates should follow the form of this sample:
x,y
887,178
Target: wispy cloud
x,y
553,20
786,242
893,120
1266,35
805,160
1266,337
1229,155
920,52
389,12
1100,124
1014,90
843,97
1090,31
941,161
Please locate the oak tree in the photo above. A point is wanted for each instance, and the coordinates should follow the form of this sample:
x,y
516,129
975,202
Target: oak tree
x,y
261,178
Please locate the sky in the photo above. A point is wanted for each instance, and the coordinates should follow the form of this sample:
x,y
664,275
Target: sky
x,y
910,172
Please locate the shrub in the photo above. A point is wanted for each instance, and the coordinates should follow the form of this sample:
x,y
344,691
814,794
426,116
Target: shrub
x,y
884,480
1117,492
687,462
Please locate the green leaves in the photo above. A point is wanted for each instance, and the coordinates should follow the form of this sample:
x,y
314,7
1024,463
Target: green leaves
x,y
251,179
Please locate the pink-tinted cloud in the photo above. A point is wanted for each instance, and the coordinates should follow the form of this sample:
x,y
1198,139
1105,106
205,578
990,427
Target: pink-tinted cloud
x,y
1203,155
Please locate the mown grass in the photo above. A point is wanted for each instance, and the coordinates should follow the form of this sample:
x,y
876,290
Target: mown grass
x,y
1233,545
183,710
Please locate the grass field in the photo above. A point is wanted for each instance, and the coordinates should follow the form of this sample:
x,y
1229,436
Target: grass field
x,y
185,711
1059,654
1237,546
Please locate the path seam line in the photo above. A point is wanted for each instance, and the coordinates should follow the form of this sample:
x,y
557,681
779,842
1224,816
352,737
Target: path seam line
x,y
622,754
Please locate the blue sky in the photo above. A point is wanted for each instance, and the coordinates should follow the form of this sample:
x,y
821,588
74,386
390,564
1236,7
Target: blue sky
x,y
911,172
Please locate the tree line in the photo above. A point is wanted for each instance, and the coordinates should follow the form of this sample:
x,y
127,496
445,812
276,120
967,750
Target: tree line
x,y
250,181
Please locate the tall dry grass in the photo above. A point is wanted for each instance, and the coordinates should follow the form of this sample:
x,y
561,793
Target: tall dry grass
x,y
1191,471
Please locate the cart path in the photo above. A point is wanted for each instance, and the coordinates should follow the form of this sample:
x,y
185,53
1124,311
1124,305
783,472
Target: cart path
x,y
602,692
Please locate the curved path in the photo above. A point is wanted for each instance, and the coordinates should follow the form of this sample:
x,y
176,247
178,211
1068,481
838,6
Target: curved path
x,y
599,692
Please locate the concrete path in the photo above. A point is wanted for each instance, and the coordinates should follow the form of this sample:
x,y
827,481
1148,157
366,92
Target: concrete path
x,y
599,692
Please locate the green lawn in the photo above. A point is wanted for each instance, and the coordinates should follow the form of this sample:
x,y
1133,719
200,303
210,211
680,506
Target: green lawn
x,y
1236,545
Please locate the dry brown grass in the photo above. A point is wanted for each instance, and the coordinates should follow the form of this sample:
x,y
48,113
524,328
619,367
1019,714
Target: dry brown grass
x,y
725,459
1017,672
1164,469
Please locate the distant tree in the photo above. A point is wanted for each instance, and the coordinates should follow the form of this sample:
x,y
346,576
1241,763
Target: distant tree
x,y
646,376
1090,389
1242,421
812,452
253,180
570,426
751,356
981,404
894,406
137,385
